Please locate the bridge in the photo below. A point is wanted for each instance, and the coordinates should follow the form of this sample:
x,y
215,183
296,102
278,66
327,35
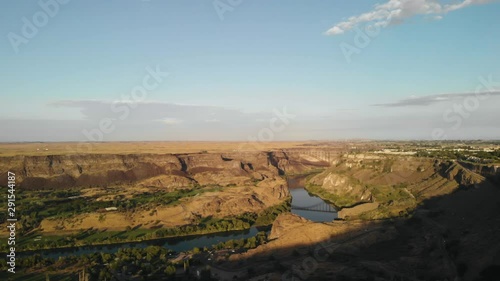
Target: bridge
x,y
319,154
320,207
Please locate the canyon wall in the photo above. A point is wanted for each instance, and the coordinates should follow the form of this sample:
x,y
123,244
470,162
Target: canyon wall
x,y
491,172
159,170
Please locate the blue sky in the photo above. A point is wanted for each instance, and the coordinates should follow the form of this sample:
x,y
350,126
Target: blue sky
x,y
232,65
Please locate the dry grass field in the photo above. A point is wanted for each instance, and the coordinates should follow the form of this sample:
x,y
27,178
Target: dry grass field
x,y
62,148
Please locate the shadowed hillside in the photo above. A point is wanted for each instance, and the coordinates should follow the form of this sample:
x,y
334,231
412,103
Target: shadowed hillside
x,y
449,233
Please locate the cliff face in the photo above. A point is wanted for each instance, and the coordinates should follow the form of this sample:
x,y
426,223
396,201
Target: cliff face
x,y
462,175
491,172
296,162
233,183
158,170
63,171
342,186
397,184
284,223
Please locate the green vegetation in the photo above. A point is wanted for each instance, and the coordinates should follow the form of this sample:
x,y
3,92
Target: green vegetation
x,y
151,262
28,275
162,198
338,201
268,216
39,205
245,243
395,201
390,194
97,237
466,154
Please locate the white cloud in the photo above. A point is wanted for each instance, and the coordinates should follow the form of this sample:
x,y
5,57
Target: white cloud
x,y
412,118
169,113
432,99
397,11
170,121
214,120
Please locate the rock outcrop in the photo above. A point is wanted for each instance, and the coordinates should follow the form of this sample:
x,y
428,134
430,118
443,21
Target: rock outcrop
x,y
490,171
286,222
344,188
296,162
231,184
156,170
463,176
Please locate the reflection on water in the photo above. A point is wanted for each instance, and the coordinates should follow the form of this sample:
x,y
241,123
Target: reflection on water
x,y
179,244
309,206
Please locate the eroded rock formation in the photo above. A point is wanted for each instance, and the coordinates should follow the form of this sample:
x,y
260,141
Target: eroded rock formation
x,y
157,170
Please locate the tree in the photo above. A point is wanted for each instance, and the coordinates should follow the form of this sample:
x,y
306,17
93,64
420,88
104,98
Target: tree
x,y
170,270
102,217
106,258
105,274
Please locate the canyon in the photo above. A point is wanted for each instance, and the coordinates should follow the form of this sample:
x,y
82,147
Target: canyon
x,y
401,216
228,184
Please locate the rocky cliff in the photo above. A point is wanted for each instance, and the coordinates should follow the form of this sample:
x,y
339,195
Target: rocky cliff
x,y
463,176
492,172
396,183
344,190
226,185
157,170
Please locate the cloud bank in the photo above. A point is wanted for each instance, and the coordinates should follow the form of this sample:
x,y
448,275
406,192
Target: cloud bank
x,y
432,99
412,118
167,113
397,11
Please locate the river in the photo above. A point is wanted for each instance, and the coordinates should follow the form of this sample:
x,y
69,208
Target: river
x,y
301,203
178,244
307,205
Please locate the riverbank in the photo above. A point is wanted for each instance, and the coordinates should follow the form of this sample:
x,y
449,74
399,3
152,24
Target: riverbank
x,y
176,244
94,237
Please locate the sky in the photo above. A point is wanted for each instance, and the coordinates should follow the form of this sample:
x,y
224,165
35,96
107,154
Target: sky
x,y
241,70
